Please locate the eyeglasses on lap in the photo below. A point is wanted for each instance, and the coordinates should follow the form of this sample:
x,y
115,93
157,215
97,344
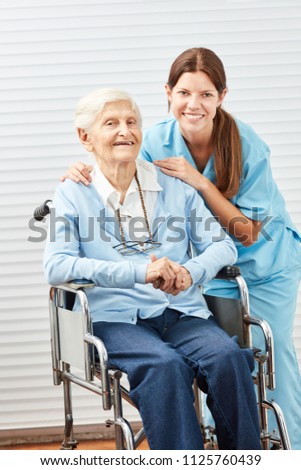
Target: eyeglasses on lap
x,y
128,248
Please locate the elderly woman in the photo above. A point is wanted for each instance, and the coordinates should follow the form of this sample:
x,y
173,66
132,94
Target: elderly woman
x,y
131,232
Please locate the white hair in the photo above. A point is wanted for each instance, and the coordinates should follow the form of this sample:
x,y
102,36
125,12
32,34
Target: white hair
x,y
90,106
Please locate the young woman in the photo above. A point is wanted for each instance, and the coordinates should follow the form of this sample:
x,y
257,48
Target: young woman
x,y
228,164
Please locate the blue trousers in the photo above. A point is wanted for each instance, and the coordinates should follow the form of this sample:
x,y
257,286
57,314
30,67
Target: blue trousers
x,y
162,356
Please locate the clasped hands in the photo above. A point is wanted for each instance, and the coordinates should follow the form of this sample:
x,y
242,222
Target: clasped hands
x,y
167,275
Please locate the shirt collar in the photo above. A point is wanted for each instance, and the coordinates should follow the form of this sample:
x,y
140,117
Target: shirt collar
x,y
102,184
147,175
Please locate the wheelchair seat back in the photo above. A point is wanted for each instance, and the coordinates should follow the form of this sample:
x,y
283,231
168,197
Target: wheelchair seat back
x,y
227,313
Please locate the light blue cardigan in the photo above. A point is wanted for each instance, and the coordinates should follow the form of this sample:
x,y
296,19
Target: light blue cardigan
x,y
80,243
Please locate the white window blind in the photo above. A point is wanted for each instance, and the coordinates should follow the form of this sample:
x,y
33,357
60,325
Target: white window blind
x,y
54,52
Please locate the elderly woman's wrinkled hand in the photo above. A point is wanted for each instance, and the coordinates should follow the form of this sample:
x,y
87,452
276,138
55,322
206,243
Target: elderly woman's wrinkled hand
x,y
182,282
167,275
162,270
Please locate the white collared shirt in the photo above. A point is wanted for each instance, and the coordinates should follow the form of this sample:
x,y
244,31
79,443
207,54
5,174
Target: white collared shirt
x,y
131,210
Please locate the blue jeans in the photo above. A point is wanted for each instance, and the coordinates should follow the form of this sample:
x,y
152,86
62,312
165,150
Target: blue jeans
x,y
162,356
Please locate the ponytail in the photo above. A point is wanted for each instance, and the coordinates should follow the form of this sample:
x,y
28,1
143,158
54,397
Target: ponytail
x,y
227,153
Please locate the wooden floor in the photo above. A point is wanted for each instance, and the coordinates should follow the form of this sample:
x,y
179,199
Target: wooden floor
x,y
83,445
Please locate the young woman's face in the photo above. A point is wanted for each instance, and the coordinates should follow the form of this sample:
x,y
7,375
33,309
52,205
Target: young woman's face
x,y
193,102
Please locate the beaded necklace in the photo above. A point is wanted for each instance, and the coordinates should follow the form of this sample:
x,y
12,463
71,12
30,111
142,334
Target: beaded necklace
x,y
144,214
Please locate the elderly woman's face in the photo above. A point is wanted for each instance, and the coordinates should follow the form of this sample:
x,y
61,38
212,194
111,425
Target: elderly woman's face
x,y
116,135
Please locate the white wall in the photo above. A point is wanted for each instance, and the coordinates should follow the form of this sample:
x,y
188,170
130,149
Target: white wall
x,y
54,51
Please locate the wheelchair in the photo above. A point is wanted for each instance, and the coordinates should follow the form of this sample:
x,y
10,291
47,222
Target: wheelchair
x,y
87,354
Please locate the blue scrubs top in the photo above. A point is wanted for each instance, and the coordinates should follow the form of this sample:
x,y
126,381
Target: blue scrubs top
x,y
278,246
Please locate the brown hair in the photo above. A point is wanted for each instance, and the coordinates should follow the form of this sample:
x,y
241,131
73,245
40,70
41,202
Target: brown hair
x,y
225,136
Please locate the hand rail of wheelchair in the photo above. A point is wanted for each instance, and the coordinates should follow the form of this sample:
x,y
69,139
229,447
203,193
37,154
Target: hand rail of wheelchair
x,y
103,359
269,347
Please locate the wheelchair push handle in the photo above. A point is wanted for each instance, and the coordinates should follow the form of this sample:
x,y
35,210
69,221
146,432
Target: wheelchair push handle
x,y
43,210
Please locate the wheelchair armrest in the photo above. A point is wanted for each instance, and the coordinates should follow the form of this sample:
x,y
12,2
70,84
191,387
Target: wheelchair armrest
x,y
228,272
80,283
74,288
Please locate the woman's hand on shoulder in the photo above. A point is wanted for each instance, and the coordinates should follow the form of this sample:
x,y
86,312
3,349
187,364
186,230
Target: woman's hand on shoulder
x,y
79,173
180,168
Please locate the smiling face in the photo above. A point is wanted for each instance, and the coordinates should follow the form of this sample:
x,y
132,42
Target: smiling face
x,y
115,137
193,102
